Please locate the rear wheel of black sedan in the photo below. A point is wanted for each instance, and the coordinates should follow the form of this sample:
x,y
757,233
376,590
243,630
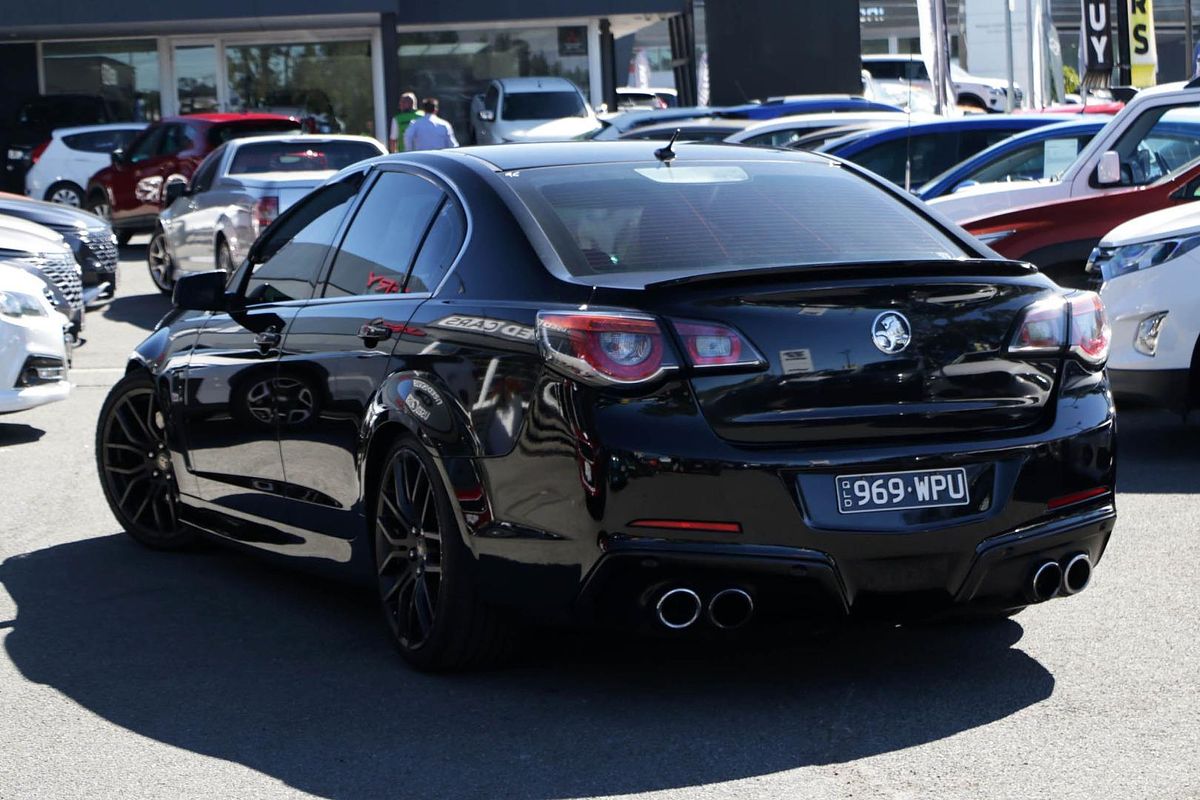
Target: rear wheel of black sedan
x,y
424,570
135,465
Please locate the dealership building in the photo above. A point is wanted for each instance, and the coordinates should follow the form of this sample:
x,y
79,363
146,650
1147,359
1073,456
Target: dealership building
x,y
344,68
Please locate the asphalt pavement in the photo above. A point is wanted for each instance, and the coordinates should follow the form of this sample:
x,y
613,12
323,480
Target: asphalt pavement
x,y
126,673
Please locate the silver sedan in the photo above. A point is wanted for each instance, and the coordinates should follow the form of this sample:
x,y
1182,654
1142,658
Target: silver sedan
x,y
211,221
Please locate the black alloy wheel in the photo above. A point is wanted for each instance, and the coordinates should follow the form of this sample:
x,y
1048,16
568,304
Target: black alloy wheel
x,y
423,570
160,263
135,465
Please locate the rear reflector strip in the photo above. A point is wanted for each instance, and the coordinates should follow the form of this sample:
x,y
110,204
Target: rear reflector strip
x,y
1077,497
687,525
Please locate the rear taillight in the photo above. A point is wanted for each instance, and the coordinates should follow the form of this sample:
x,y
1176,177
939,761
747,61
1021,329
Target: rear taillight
x,y
604,347
1090,333
708,345
1076,323
265,210
37,151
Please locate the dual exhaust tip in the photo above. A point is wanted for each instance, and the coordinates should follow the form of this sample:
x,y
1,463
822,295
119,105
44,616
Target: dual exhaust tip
x,y
680,608
1052,578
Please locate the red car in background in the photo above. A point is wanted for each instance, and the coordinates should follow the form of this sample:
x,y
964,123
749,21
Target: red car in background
x,y
130,192
1058,237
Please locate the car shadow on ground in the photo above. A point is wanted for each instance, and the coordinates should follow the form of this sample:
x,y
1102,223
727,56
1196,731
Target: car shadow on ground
x,y
1157,452
225,655
141,310
18,433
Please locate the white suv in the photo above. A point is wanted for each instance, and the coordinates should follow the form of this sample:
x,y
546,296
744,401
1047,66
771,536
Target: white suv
x,y
33,348
531,110
990,94
62,167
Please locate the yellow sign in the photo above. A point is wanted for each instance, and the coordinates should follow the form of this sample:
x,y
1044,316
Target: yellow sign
x,y
1143,51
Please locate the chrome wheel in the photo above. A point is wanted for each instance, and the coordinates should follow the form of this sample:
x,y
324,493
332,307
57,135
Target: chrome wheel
x,y
67,196
408,549
162,269
135,465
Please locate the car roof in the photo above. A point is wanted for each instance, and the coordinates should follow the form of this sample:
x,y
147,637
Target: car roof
x,y
834,119
892,57
535,84
974,122
218,118
645,90
704,123
301,138
108,126
506,157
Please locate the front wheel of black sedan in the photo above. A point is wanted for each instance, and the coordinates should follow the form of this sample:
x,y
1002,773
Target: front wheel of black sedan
x,y
135,465
424,571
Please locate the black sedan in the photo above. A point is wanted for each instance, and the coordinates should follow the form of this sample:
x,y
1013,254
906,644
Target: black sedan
x,y
688,389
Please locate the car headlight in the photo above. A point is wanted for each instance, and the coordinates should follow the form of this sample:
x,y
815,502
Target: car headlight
x,y
1145,341
992,237
1114,262
16,304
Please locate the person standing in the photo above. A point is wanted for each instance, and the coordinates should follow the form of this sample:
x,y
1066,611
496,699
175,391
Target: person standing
x,y
429,131
402,119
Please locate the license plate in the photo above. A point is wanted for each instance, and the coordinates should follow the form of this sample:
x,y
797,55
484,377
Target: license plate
x,y
897,491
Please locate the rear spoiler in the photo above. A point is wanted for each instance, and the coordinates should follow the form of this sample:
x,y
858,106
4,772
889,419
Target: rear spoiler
x,y
950,268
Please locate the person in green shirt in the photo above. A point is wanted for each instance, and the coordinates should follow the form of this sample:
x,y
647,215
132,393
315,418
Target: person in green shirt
x,y
400,122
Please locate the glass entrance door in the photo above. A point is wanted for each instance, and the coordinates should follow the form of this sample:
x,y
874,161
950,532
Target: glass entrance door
x,y
196,78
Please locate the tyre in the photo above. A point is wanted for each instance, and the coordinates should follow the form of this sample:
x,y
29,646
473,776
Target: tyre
x,y
160,263
972,101
424,570
98,205
135,465
66,193
224,256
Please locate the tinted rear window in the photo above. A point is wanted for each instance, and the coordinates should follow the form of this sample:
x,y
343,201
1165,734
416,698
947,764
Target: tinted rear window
x,y
543,105
713,217
101,141
219,134
299,156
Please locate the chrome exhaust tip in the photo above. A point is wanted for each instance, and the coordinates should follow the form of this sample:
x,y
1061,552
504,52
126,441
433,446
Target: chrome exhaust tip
x,y
678,608
1077,574
1047,579
730,608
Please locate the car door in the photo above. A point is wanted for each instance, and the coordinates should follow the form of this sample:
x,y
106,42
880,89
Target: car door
x,y
339,347
234,402
188,220
124,185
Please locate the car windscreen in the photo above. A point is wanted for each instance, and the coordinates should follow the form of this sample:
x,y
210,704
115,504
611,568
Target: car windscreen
x,y
220,134
299,156
543,105
705,217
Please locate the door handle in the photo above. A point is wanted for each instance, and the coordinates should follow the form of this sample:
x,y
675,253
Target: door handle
x,y
374,332
267,340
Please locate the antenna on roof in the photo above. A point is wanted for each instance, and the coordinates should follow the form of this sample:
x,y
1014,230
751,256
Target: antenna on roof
x,y
666,154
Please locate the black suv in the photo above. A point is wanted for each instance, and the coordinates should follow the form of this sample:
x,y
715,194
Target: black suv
x,y
38,117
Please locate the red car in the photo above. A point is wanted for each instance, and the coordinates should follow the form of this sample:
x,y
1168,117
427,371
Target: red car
x,y
130,192
1058,237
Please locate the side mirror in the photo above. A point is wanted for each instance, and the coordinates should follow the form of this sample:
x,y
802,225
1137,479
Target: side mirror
x,y
118,156
487,115
1108,171
176,187
201,291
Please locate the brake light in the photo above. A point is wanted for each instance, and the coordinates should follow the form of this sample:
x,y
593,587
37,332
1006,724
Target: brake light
x,y
708,345
604,347
265,210
37,151
1090,333
1043,328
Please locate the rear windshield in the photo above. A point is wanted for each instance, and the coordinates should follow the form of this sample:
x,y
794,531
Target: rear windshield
x,y
708,217
220,134
298,156
543,105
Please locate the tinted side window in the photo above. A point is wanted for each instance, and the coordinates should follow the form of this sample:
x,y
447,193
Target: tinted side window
x,y
884,70
442,243
290,272
384,236
492,99
147,145
175,139
99,141
207,171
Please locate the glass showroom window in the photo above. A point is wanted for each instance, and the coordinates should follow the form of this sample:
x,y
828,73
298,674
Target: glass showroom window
x,y
124,73
455,65
326,85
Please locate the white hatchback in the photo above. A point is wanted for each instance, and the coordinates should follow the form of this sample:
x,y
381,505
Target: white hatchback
x,y
62,166
1148,267
34,352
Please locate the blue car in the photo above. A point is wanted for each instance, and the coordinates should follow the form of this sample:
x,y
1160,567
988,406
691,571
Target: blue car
x,y
801,104
911,155
1040,153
